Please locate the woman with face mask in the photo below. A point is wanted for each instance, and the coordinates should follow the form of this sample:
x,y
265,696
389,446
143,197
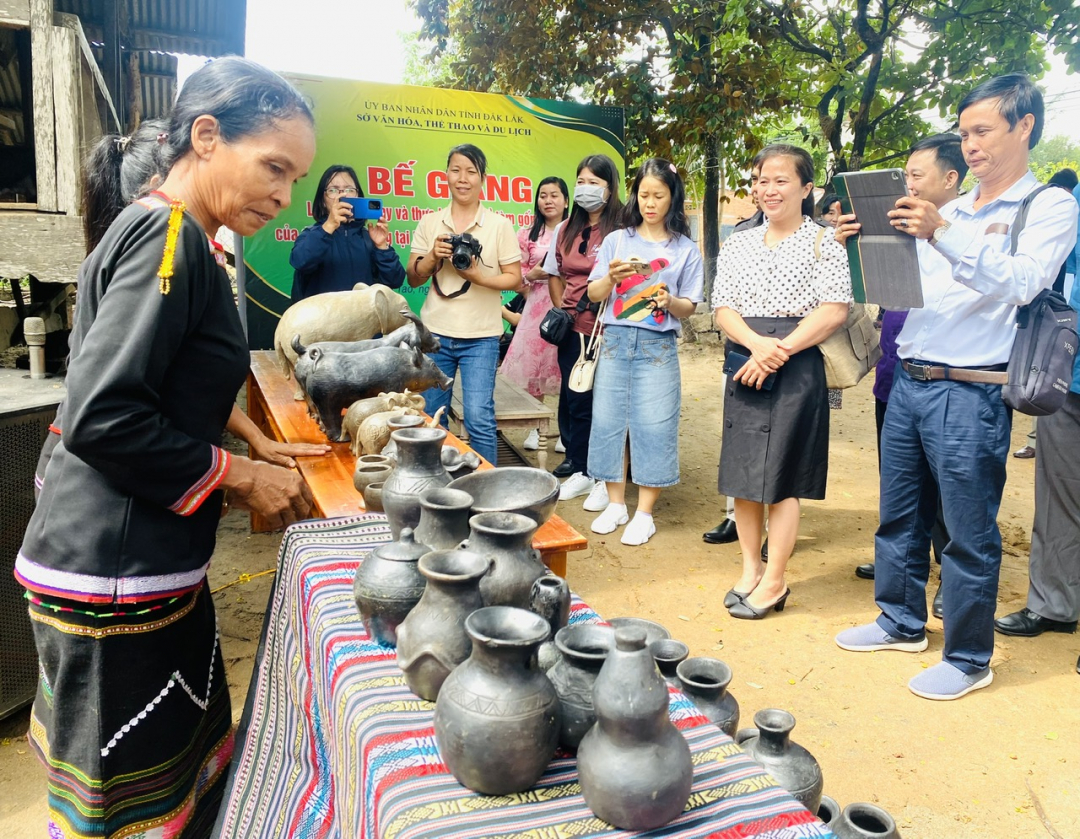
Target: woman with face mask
x,y
597,210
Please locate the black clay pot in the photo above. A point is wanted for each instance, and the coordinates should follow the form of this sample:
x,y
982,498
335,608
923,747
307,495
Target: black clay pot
x,y
432,640
864,821
583,648
388,585
634,765
550,599
444,518
705,680
419,468
497,718
828,811
507,539
790,765
668,653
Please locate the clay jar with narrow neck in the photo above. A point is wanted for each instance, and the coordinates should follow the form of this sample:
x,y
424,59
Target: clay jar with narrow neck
x,y
444,518
792,766
432,640
582,651
507,539
497,716
419,468
668,654
388,585
634,765
549,597
705,681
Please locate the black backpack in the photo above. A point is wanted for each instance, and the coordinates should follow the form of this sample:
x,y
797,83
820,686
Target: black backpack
x,y
1041,361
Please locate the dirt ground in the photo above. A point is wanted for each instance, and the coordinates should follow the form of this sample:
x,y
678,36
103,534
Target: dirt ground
x,y
1002,762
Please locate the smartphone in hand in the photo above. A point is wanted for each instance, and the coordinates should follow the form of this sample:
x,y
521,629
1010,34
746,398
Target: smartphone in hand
x,y
735,361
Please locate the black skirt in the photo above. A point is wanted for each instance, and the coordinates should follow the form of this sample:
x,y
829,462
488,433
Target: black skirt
x,y
775,443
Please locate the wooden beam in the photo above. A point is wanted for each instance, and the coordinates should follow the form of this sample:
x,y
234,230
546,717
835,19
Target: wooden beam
x,y
90,63
41,25
67,100
112,59
15,12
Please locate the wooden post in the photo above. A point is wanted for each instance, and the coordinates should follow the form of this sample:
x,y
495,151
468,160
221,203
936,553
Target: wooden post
x,y
67,101
41,26
113,61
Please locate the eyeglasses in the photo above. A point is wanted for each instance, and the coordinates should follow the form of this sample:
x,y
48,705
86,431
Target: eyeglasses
x,y
585,234
334,191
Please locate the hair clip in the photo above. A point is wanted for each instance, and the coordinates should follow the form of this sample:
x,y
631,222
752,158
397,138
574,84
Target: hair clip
x,y
671,166
122,143
162,137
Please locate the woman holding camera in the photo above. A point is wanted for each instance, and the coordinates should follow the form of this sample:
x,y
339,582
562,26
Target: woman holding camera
x,y
781,289
471,256
651,274
339,251
569,262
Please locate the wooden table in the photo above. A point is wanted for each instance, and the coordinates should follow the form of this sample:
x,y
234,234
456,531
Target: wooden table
x,y
272,408
515,407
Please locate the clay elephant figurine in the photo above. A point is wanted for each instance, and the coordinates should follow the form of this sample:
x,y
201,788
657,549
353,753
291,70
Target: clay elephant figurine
x,y
360,313
374,431
362,409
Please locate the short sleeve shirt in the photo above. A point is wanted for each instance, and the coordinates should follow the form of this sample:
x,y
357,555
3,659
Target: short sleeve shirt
x,y
478,312
675,262
792,279
577,262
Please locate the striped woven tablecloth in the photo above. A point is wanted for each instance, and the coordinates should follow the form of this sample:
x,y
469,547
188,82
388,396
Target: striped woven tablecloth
x,y
333,744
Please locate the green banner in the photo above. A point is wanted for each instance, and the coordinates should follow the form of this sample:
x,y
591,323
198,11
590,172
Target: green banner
x,y
397,138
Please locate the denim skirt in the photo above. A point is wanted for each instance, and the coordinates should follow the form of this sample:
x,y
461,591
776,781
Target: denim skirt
x,y
637,394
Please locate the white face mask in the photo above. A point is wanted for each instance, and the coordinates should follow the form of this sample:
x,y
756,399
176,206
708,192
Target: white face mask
x,y
589,197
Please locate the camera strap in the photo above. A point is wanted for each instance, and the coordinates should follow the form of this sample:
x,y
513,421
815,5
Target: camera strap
x,y
440,292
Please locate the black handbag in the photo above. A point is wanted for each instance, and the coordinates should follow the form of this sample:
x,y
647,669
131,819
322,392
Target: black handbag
x,y
556,325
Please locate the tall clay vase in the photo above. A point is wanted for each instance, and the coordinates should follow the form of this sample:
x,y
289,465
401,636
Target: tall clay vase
x,y
634,765
444,518
668,654
432,640
419,468
507,539
549,597
792,766
583,648
864,821
497,717
396,422
388,585
704,681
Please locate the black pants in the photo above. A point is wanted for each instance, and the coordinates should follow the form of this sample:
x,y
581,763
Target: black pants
x,y
575,409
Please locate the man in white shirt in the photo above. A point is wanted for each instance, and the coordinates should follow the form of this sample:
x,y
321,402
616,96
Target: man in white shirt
x,y
946,423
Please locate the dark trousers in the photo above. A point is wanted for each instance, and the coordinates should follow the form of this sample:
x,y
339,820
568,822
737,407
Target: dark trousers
x,y
953,436
575,409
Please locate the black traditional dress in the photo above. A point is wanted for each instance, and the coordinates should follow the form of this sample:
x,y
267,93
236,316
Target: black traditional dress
x,y
132,715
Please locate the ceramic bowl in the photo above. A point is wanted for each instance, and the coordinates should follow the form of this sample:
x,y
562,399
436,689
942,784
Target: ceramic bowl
x,y
512,489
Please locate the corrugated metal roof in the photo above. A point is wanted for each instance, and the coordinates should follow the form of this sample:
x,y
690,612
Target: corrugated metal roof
x,y
196,27
158,80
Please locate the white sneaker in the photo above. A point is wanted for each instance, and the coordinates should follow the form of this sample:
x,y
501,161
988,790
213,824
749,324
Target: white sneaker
x,y
614,515
559,447
597,499
532,441
640,530
577,484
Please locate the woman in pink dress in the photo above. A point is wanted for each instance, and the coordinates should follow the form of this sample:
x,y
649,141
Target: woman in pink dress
x,y
531,361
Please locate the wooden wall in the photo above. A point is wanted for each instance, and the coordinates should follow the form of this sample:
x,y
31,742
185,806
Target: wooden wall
x,y
15,12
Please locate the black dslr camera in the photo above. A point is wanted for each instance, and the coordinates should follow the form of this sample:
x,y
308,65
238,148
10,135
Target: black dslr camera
x,y
466,248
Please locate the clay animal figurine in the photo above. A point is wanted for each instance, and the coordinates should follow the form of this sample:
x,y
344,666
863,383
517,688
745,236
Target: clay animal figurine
x,y
362,312
412,334
374,432
364,408
334,380
459,463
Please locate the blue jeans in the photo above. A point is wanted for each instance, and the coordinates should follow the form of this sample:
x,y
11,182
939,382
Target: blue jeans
x,y
953,436
477,359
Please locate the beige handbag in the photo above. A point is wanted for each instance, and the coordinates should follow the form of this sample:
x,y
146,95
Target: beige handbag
x,y
584,369
852,350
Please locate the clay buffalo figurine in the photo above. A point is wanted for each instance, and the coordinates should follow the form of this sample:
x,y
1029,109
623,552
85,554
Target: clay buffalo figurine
x,y
335,380
364,408
360,313
412,334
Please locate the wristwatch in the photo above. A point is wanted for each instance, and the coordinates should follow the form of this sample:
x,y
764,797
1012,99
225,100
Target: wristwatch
x,y
935,237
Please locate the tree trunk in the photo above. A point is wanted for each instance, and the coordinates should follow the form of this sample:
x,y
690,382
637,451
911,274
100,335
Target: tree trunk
x,y
710,210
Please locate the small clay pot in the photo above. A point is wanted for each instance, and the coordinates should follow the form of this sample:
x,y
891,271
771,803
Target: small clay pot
x,y
864,821
549,597
444,518
704,680
667,653
829,810
365,475
373,497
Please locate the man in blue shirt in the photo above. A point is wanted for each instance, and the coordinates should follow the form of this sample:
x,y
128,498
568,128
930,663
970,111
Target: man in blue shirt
x,y
946,423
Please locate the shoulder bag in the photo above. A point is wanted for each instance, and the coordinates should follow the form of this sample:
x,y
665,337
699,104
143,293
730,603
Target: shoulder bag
x,y
584,369
852,350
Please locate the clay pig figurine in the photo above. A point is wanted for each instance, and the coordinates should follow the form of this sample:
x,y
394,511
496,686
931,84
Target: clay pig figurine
x,y
352,315
364,408
374,431
334,380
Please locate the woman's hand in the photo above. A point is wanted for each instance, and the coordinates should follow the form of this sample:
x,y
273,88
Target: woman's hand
x,y
379,232
282,454
618,270
769,353
846,227
277,494
537,272
339,213
752,374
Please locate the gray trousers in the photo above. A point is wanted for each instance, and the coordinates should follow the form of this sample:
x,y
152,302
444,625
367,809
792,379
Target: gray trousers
x,y
1054,571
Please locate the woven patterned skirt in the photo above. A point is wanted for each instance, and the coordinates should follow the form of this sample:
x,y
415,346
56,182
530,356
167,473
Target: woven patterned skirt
x,y
132,717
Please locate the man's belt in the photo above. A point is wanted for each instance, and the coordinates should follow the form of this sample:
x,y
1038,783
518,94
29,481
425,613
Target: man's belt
x,y
995,375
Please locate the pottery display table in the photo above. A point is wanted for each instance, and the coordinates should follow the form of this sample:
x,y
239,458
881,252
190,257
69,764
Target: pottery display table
x,y
333,745
272,408
515,407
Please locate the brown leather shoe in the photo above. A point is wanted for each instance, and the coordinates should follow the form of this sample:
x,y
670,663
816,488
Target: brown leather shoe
x,y
1025,453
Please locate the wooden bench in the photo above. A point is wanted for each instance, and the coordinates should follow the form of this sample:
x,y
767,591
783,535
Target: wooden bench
x,y
272,408
515,407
